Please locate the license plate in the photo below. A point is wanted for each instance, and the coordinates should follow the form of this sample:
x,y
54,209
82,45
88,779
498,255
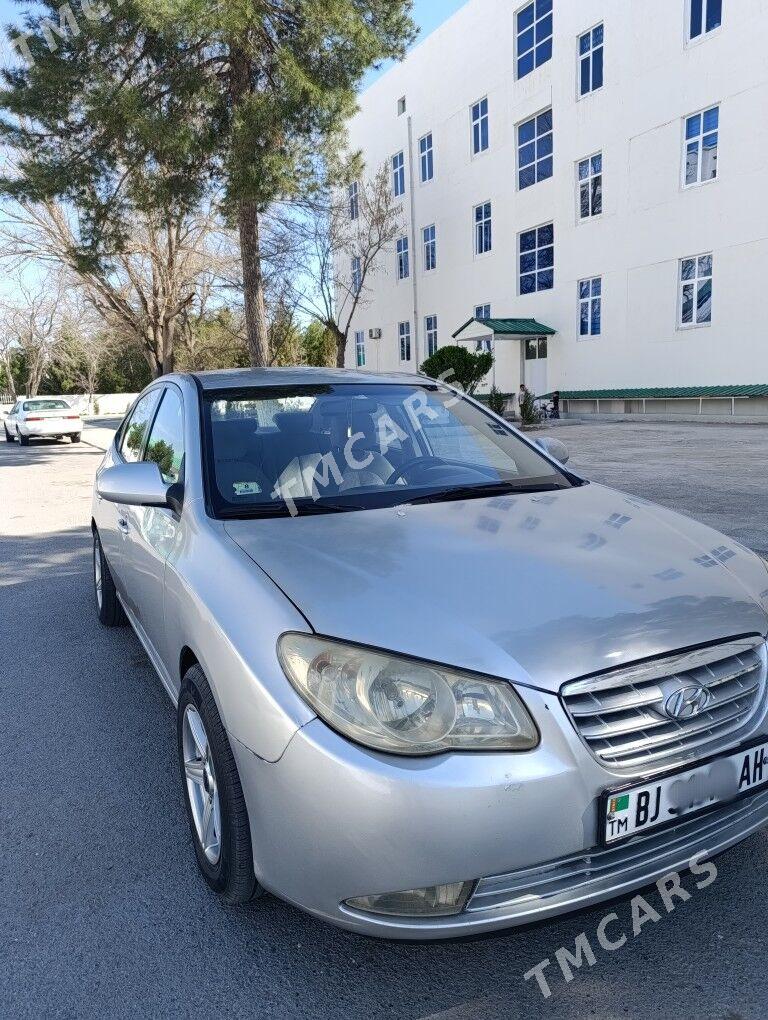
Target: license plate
x,y
664,801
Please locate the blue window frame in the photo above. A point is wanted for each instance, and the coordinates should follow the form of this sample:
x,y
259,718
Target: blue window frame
x,y
534,36
356,274
354,200
480,136
590,306
534,150
404,332
398,175
700,156
360,347
591,60
403,259
483,231
426,158
705,16
537,259
430,248
430,331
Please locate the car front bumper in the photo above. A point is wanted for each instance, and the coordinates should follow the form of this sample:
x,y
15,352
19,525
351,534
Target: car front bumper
x,y
331,821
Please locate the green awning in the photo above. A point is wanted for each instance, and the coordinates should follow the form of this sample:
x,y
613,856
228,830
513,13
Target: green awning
x,y
666,392
510,327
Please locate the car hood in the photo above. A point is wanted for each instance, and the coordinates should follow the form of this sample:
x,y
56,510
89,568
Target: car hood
x,y
537,588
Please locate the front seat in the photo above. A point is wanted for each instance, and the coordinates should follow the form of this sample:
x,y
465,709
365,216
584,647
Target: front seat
x,y
238,476
298,454
378,470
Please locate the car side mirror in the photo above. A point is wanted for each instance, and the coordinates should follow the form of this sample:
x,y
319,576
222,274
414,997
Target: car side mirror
x,y
137,484
554,448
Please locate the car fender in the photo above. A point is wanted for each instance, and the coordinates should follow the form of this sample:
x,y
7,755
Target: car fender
x,y
229,614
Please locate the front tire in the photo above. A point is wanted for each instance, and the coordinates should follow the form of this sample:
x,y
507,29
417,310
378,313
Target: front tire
x,y
108,608
8,437
218,817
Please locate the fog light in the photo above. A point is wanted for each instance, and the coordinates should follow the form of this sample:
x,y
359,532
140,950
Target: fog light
x,y
434,901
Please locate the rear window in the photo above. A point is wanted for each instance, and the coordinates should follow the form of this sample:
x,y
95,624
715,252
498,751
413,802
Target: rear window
x,y
46,405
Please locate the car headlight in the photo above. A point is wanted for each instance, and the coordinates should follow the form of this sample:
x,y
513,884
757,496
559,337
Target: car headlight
x,y
391,703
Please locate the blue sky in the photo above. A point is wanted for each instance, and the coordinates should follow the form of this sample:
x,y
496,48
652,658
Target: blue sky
x,y
428,14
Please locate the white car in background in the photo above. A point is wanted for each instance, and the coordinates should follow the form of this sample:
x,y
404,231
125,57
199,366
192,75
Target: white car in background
x,y
43,418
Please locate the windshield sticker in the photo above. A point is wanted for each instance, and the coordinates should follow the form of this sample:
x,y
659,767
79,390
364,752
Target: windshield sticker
x,y
246,488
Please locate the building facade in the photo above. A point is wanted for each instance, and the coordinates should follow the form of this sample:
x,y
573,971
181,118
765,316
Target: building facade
x,y
600,166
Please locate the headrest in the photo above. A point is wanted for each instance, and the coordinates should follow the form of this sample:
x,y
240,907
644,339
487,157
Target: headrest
x,y
232,437
294,422
335,407
364,423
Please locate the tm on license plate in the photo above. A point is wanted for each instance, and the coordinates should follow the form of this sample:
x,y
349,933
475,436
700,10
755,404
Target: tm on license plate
x,y
636,809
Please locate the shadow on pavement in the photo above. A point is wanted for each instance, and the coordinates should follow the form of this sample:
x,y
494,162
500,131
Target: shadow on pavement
x,y
44,558
41,452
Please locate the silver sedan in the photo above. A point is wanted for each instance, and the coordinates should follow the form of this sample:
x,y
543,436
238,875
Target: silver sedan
x,y
429,681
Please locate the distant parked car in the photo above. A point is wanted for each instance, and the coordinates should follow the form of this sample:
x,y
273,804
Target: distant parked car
x,y
428,681
42,418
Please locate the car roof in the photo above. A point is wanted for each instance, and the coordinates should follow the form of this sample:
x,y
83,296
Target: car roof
x,y
29,400
236,378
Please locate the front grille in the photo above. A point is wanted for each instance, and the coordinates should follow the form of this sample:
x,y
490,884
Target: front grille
x,y
621,716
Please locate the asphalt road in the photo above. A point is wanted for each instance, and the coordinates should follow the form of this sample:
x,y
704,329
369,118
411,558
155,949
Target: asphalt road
x,y
102,913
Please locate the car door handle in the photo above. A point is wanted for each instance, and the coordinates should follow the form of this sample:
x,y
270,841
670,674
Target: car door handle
x,y
122,525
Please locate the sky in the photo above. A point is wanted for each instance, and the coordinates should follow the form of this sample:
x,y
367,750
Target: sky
x,y
428,14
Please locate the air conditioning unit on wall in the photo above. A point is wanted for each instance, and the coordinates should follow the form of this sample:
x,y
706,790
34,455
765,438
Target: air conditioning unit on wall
x,y
374,334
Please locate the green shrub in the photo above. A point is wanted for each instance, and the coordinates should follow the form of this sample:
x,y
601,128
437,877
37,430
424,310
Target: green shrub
x,y
496,401
458,366
529,413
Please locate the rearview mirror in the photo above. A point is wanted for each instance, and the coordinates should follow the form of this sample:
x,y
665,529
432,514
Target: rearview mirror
x,y
136,484
554,448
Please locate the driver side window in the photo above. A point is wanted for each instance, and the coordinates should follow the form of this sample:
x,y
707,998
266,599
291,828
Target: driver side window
x,y
134,435
165,446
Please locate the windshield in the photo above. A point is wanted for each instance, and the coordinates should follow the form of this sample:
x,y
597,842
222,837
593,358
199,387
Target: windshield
x,y
46,405
355,446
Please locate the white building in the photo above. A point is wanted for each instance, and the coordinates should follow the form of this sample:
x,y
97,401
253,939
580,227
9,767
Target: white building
x,y
600,166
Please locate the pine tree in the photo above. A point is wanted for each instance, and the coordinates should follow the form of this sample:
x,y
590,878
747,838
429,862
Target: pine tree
x,y
157,103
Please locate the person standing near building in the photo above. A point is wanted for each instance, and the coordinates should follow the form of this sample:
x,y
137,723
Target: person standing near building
x,y
522,393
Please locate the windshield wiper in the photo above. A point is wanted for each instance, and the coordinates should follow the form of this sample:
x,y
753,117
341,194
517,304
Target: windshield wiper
x,y
458,492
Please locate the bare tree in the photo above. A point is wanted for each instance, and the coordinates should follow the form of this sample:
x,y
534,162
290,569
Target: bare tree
x,y
144,291
7,347
85,343
33,323
327,238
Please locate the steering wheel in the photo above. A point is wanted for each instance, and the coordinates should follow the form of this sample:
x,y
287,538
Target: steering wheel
x,y
422,462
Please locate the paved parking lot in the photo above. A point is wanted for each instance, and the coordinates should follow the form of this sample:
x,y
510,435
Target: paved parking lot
x,y
101,910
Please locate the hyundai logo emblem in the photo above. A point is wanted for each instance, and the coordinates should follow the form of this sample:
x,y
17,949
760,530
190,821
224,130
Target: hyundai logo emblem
x,y
687,702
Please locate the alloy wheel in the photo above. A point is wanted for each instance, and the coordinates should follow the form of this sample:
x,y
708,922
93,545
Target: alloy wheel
x,y
201,784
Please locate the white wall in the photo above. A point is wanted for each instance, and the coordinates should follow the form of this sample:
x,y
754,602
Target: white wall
x,y
653,78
